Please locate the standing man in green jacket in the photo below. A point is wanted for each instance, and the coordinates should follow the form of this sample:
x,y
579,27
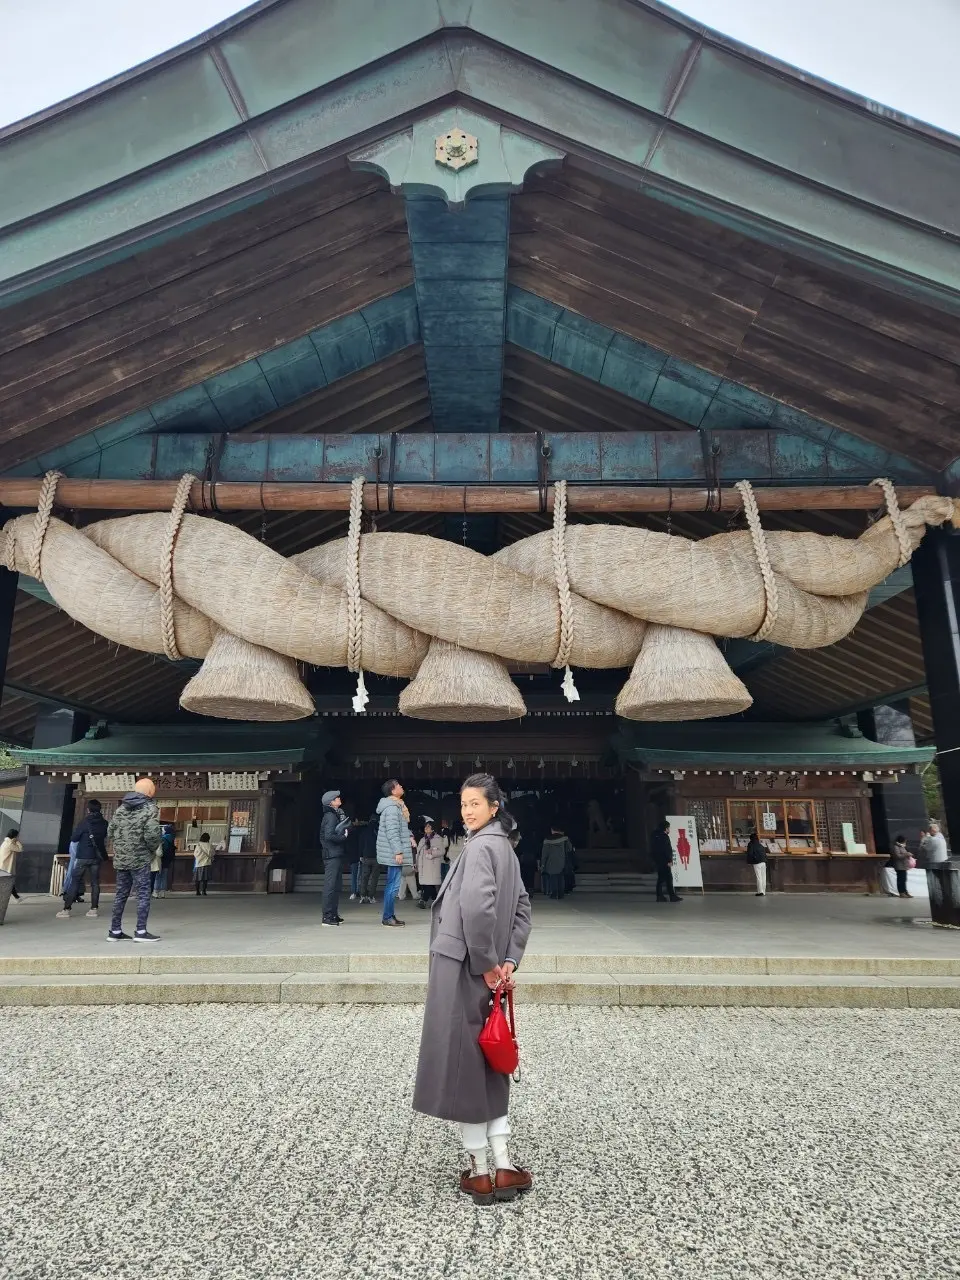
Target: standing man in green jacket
x,y
135,834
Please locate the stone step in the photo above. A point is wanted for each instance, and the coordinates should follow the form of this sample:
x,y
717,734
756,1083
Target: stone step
x,y
157,960
397,987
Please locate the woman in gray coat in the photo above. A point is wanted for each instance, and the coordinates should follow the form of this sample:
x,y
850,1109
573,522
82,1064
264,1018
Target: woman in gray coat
x,y
479,931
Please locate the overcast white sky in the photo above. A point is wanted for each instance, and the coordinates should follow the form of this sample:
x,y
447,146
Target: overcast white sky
x,y
898,52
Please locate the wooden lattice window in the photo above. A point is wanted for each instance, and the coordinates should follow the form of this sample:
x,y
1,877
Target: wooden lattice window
x,y
839,812
711,819
820,820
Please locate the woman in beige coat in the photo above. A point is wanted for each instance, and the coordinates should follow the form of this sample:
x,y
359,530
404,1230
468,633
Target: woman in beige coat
x,y
429,863
9,849
479,931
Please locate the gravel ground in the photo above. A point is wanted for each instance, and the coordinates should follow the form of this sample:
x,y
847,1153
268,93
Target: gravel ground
x,y
260,1143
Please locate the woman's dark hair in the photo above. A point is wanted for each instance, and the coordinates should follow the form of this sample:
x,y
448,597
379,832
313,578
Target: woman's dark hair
x,y
900,839
390,786
13,833
94,806
486,783
205,836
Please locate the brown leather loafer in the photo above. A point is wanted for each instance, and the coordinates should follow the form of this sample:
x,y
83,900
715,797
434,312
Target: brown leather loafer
x,y
509,1183
478,1185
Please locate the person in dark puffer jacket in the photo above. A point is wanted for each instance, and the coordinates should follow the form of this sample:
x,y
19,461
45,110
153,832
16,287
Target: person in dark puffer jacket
x,y
135,834
90,838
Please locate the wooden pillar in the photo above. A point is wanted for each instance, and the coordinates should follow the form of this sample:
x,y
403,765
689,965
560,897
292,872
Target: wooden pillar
x,y
936,578
47,803
896,808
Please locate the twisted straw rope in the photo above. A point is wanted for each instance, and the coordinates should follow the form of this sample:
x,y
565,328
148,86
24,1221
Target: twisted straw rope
x,y
48,493
896,518
354,604
770,589
561,574
168,631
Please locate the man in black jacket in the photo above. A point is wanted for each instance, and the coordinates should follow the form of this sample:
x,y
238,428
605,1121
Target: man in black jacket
x,y
334,828
661,850
90,838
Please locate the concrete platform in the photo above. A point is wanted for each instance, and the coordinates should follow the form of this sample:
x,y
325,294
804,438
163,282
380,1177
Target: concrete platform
x,y
276,925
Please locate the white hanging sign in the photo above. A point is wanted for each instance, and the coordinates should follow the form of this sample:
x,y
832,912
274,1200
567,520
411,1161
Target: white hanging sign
x,y
104,782
687,872
234,781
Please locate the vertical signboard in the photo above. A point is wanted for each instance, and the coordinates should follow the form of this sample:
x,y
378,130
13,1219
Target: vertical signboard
x,y
687,873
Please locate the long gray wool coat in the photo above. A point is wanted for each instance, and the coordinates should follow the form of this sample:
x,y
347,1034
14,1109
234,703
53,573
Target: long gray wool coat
x,y
481,917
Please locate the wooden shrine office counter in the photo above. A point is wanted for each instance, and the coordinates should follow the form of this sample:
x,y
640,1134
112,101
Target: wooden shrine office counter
x,y
796,872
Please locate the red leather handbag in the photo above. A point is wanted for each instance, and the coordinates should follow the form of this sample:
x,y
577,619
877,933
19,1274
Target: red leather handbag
x,y
498,1039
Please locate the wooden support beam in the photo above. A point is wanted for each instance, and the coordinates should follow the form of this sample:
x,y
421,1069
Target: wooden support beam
x,y
157,495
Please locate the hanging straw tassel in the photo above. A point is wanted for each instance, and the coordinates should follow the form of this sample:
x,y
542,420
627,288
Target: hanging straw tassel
x,y
562,659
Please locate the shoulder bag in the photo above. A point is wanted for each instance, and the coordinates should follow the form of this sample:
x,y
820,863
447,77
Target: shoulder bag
x,y
498,1039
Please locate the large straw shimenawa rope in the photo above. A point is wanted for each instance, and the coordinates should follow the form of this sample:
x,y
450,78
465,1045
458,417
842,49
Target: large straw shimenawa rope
x,y
591,595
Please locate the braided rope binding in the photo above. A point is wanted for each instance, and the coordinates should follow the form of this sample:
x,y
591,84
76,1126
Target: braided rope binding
x,y
168,631
896,518
562,577
770,589
354,602
48,493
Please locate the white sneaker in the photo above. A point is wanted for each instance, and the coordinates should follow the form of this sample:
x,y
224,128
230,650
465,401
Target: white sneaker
x,y
64,914
93,913
353,897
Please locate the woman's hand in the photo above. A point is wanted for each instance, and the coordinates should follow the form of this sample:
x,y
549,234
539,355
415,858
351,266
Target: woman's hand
x,y
502,974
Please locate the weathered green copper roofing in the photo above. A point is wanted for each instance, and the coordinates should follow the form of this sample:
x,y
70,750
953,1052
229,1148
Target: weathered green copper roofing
x,y
205,746
706,744
651,97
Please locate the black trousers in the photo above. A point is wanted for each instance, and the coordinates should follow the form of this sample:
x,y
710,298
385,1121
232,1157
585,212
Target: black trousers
x,y
665,887
901,881
75,888
369,877
332,884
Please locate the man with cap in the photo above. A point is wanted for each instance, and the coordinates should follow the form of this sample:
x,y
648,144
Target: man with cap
x,y
334,827
135,834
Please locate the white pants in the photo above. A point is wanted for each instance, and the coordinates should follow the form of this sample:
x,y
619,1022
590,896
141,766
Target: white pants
x,y
407,881
760,871
476,1136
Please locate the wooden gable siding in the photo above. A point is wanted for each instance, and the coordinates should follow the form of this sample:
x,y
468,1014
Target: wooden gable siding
x,y
881,366
113,342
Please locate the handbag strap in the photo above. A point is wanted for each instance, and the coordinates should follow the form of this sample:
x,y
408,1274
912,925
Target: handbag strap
x,y
498,996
